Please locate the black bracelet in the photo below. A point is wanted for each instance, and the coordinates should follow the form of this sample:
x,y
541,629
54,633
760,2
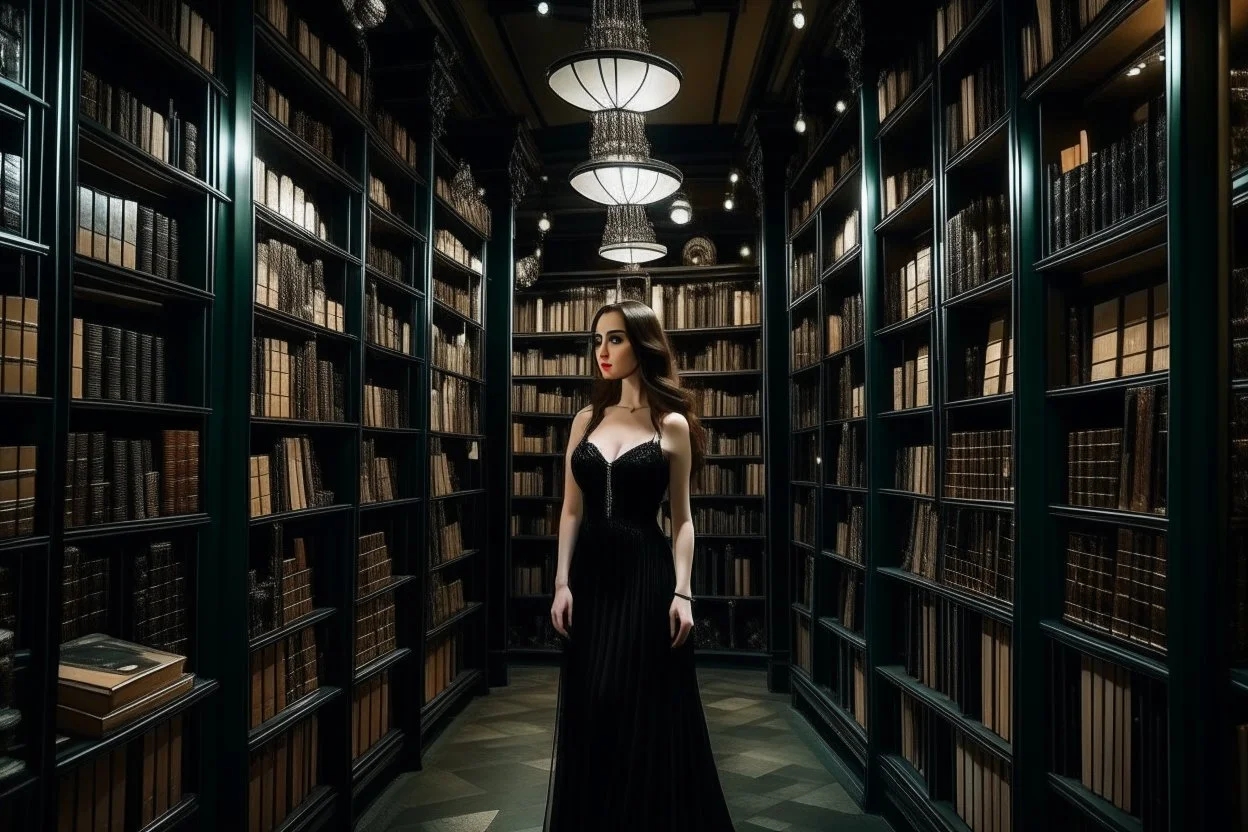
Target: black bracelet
x,y
686,597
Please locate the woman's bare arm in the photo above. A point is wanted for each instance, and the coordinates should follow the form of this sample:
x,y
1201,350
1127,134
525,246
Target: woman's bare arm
x,y
680,454
573,506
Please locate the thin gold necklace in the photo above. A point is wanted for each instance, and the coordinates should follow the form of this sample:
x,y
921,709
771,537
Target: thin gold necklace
x,y
633,409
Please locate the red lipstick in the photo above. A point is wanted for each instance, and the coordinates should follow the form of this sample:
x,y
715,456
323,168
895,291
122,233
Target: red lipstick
x,y
605,366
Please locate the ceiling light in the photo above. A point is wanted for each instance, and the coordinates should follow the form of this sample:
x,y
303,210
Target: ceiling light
x,y
840,106
615,70
543,223
729,203
734,177
799,16
1161,58
620,170
629,236
537,252
799,123
481,191
1133,71
545,178
543,8
745,252
681,211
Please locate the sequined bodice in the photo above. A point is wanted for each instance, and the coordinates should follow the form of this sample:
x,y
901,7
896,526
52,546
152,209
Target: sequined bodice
x,y
627,490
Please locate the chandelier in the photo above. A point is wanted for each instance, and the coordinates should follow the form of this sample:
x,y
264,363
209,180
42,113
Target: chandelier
x,y
620,170
629,236
615,69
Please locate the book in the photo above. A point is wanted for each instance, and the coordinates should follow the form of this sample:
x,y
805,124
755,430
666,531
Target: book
x,y
98,674
88,724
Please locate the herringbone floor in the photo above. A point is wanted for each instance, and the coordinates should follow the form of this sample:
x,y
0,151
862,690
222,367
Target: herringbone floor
x,y
489,769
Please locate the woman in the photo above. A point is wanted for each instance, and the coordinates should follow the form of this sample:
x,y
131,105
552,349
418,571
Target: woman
x,y
631,747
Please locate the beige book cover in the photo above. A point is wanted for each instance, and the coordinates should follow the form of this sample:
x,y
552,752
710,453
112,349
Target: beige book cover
x,y
99,673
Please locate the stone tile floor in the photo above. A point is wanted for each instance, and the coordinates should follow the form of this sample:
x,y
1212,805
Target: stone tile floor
x,y
489,769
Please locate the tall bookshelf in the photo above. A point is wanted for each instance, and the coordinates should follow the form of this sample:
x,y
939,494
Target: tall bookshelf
x,y
1028,640
720,357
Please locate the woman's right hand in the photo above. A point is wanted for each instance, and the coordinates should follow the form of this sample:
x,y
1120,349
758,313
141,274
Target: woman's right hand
x,y
561,611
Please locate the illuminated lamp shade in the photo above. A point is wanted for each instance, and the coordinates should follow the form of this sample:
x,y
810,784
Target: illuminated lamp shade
x,y
629,236
681,210
615,69
620,170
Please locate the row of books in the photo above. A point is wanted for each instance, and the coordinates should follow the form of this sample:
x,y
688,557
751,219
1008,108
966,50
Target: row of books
x,y
979,465
456,351
565,399
908,291
977,552
370,713
280,588
899,187
185,26
445,242
977,244
717,355
290,381
535,361
159,598
375,631
1117,585
911,383
805,517
397,137
849,538
1090,191
379,475
18,469
464,299
386,262
374,568
105,683
12,40
379,194
123,233
541,520
915,470
980,101
1128,334
734,443
109,362
804,342
1238,118
282,774
736,478
318,52
952,17
470,207
569,309
165,136
279,193
539,439
384,325
447,475
288,479
842,239
315,134
533,580
85,583
1055,26
707,304
846,603
850,401
847,323
135,490
384,407
802,643
804,404
903,77
19,346
850,467
444,660
1239,322
805,594
734,520
1123,468
711,402
533,483
803,273
282,674
287,283
446,538
823,184
989,367
446,599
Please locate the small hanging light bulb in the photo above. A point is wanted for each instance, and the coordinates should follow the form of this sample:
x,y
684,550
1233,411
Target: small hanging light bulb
x,y
543,8
799,123
798,16
729,202
543,223
840,106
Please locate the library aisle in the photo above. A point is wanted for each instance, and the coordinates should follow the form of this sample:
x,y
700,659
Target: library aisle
x,y
489,771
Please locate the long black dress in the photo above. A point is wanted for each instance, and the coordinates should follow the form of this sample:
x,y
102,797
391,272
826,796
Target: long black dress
x,y
631,749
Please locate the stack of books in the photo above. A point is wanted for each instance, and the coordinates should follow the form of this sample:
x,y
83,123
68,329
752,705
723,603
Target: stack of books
x,y
104,684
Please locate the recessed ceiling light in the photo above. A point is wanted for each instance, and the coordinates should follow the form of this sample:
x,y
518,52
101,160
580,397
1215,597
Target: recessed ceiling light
x,y
745,252
729,203
543,8
1133,71
840,106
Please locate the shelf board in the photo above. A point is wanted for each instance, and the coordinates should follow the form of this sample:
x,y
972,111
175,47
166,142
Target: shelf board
x,y
309,158
137,27
980,401
559,336
1126,238
133,283
300,235
378,144
913,322
543,498
986,505
1106,385
10,790
905,109
911,216
808,295
302,623
898,492
727,496
277,45
837,718
395,582
152,408
1105,813
79,750
949,709
983,150
1100,47
102,148
1103,648
906,412
539,454
729,418
378,351
805,368
526,414
1130,519
721,598
844,351
838,266
431,712
455,561
851,175
459,219
842,559
909,787
391,223
439,304
279,723
385,281
848,420
151,524
369,764
446,434
800,609
379,664
466,492
693,331
11,87
730,652
398,503
302,424
552,378
408,432
848,489
834,625
176,815
983,604
20,400
462,376
963,37
720,373
1239,679
19,243
731,537
290,322
531,652
318,803
18,544
469,609
441,258
301,514
987,293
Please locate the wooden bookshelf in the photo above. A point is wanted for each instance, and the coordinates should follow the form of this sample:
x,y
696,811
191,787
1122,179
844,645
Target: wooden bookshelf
x,y
551,373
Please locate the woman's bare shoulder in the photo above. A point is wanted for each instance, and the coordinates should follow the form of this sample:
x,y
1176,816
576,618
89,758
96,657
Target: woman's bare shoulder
x,y
675,422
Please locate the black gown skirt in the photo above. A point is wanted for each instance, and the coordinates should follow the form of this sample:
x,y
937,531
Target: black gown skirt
x,y
631,748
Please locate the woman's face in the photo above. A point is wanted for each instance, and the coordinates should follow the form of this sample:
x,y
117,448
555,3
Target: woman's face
x,y
612,349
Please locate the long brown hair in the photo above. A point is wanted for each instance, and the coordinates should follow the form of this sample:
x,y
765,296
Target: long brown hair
x,y
656,367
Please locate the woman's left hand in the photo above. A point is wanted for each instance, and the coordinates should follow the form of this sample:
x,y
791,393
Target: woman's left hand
x,y
680,619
